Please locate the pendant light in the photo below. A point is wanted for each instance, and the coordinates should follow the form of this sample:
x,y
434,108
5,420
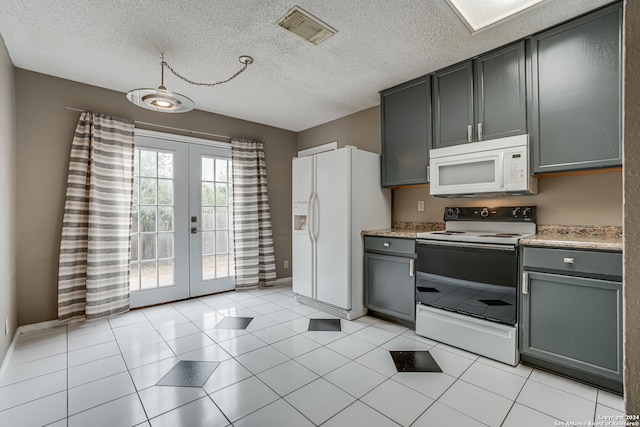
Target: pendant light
x,y
165,101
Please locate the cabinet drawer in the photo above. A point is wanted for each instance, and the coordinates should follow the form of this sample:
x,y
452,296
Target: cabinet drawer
x,y
567,260
387,244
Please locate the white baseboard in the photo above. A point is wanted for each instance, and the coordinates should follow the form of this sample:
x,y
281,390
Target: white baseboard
x,y
21,330
284,280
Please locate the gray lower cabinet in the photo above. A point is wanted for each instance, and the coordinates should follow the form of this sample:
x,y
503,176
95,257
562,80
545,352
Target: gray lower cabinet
x,y
406,133
481,99
576,107
389,278
571,314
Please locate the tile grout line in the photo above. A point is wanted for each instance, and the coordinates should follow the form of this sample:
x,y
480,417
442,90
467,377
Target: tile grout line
x,y
144,410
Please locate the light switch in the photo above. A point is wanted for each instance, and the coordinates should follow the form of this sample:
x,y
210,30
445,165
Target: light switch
x,y
420,205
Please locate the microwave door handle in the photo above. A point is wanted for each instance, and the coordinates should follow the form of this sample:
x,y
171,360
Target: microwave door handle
x,y
502,161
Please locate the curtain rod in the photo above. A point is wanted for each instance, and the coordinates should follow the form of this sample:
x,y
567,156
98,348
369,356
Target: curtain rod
x,y
163,127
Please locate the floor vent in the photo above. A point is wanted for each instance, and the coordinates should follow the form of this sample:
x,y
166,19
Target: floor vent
x,y
306,26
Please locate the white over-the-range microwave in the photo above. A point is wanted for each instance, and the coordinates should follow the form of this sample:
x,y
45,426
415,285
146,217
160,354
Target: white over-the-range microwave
x,y
498,167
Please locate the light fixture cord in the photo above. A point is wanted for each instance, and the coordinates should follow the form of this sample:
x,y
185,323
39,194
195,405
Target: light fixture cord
x,y
165,64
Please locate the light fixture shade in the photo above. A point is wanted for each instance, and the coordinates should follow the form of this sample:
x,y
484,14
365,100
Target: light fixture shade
x,y
161,100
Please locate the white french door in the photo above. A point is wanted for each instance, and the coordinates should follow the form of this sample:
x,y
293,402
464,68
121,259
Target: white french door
x,y
211,242
181,242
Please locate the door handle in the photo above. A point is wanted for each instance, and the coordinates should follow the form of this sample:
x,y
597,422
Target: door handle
x,y
469,133
480,132
525,283
194,230
411,267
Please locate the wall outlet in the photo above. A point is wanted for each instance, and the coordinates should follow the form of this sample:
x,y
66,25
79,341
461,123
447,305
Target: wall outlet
x,y
6,325
420,205
286,263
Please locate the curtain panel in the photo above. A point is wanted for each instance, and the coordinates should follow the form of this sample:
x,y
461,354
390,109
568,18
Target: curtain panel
x,y
252,234
93,273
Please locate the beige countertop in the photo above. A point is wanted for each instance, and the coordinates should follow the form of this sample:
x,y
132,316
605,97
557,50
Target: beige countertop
x,y
407,230
549,236
573,241
393,232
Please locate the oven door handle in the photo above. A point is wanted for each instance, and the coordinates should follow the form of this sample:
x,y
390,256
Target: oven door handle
x,y
505,248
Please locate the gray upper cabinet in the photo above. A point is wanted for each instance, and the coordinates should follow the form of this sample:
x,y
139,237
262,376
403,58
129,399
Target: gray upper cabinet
x,y
481,99
576,94
406,133
501,103
453,105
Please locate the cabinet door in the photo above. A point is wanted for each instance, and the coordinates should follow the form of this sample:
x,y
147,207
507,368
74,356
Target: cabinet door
x,y
453,105
501,106
576,96
390,285
574,322
406,133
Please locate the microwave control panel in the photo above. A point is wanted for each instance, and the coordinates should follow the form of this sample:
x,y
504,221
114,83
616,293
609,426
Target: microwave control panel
x,y
517,172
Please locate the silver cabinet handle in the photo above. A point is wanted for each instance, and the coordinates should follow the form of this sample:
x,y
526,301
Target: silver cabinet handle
x,y
525,283
469,133
386,244
569,260
411,265
428,173
479,131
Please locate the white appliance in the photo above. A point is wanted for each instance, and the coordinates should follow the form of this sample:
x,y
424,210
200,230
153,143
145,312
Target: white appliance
x,y
467,279
336,195
495,167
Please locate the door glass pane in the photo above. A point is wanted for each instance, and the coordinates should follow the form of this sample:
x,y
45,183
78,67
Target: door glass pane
x,y
215,225
149,275
152,231
208,267
165,218
148,163
165,272
165,165
207,218
165,191
208,242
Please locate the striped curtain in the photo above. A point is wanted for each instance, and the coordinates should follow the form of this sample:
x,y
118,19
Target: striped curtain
x,y
252,236
93,271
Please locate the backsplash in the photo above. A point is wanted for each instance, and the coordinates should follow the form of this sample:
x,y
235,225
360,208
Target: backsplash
x,y
421,226
563,200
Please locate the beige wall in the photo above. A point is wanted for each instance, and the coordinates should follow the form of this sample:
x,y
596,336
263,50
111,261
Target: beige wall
x,y
8,283
632,207
361,129
567,200
44,133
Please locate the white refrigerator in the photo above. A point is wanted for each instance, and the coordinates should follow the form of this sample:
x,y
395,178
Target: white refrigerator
x,y
336,195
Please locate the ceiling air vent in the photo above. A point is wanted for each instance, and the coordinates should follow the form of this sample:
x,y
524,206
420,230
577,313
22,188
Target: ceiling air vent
x,y
305,25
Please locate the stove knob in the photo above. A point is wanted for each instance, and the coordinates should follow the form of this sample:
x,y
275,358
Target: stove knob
x,y
526,211
449,212
515,211
457,212
484,213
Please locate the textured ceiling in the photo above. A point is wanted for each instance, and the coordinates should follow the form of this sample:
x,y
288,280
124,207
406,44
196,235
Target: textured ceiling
x,y
292,84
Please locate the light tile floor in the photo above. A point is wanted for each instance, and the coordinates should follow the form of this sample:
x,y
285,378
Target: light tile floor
x,y
274,373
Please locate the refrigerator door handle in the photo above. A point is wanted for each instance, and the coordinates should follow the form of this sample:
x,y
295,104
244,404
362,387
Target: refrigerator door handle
x,y
312,217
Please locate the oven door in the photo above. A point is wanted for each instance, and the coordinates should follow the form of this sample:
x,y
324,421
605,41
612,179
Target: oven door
x,y
468,278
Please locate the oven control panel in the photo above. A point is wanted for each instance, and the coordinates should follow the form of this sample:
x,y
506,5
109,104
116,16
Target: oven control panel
x,y
501,214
